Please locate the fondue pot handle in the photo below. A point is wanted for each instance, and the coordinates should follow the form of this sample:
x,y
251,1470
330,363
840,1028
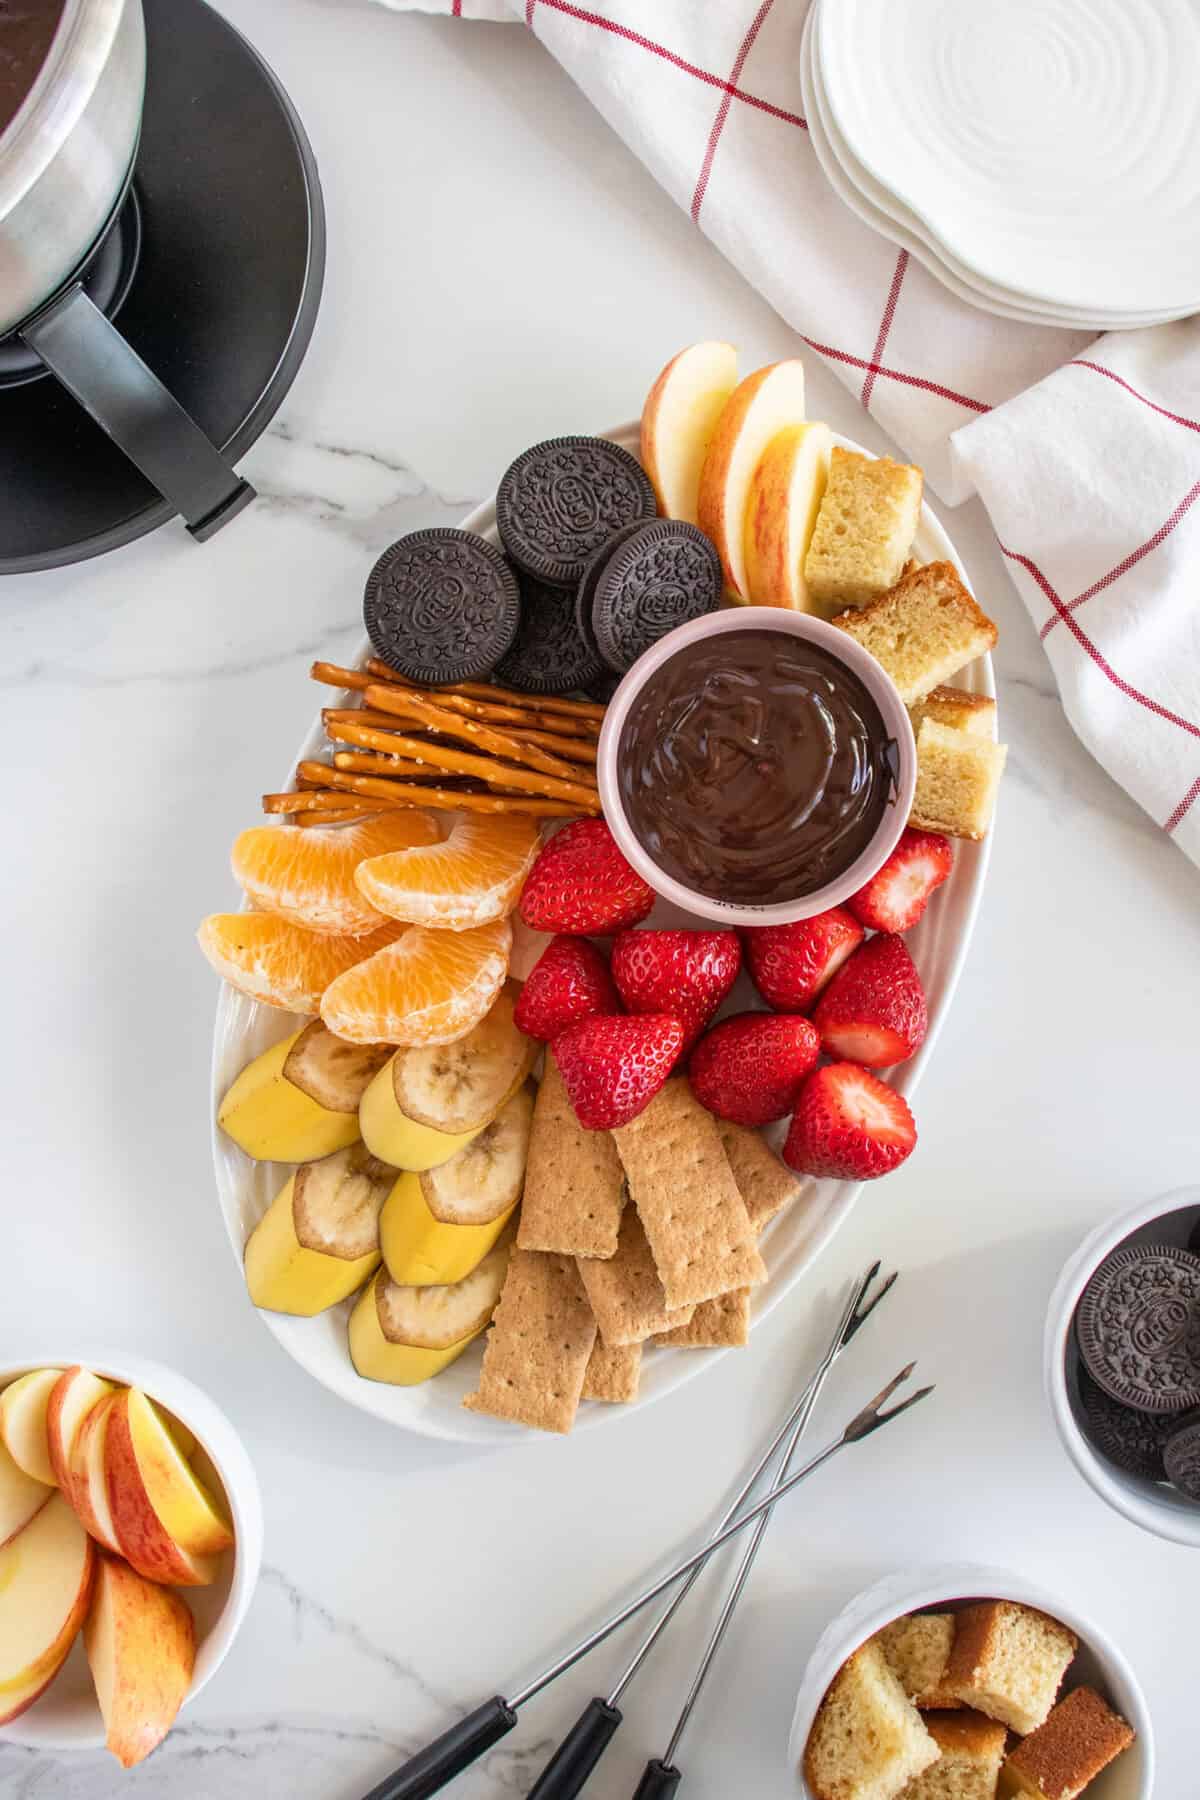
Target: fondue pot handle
x,y
106,375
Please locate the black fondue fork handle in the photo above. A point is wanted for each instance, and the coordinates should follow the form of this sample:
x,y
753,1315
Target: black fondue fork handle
x,y
430,1769
659,1780
579,1752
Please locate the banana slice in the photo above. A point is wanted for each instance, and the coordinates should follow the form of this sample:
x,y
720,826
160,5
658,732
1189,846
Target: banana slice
x,y
331,1071
404,1335
427,1104
436,1226
484,1181
319,1239
274,1121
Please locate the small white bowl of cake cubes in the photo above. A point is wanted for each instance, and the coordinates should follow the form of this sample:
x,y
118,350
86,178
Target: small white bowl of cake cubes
x,y
130,1543
969,1681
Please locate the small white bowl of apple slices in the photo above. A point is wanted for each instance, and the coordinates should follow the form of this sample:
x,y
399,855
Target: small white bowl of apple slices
x,y
130,1544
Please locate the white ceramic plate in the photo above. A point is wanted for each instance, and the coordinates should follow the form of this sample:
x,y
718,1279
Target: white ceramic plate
x,y
790,1245
1051,146
878,208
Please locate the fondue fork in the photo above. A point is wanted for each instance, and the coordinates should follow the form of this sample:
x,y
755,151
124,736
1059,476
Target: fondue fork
x,y
572,1763
456,1749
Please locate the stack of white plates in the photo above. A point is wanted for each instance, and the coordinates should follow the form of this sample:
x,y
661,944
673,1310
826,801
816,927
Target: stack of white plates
x,y
1040,157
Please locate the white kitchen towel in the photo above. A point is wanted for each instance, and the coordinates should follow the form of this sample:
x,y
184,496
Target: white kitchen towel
x,y
1086,453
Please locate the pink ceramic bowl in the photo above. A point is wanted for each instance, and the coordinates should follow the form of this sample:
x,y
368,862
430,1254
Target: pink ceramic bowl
x,y
881,689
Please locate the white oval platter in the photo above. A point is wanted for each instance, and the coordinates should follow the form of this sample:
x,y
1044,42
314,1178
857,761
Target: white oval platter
x,y
244,1028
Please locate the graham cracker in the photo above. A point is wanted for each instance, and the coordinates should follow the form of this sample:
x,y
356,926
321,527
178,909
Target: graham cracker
x,y
766,1185
625,1292
613,1373
718,1324
696,1221
537,1348
574,1182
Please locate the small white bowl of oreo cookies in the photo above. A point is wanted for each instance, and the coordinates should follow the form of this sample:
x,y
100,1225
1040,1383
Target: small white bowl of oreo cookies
x,y
1122,1363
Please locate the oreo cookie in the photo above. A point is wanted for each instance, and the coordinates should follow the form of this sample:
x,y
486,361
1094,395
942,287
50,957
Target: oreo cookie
x,y
1138,1327
1182,1459
662,576
548,656
1134,1441
585,593
561,501
442,605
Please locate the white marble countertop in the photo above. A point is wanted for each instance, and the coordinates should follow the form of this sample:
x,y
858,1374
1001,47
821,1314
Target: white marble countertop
x,y
500,269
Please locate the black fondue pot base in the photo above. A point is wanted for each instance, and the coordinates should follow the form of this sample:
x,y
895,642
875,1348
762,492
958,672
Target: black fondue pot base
x,y
221,303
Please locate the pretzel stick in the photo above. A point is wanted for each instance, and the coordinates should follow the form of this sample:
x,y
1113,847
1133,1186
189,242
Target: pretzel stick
x,y
334,676
439,756
576,749
387,761
397,793
356,715
339,815
458,762
319,801
508,710
368,763
497,743
479,690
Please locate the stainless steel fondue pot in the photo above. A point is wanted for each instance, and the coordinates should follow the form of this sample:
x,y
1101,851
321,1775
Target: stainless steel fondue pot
x,y
65,163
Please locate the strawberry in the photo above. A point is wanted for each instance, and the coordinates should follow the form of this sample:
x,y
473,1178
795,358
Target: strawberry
x,y
684,973
749,1068
568,982
581,883
898,893
848,1125
613,1067
873,1011
791,963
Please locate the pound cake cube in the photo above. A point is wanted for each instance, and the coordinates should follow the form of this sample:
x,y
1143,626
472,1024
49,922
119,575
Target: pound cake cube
x,y
968,1768
958,777
868,1740
917,1649
1063,1756
1008,1661
956,708
924,630
865,527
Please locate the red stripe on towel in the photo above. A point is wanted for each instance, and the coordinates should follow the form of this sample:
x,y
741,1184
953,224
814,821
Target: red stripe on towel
x,y
885,325
1122,568
714,136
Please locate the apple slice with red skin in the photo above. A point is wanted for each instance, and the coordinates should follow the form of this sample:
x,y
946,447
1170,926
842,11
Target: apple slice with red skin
x,y
141,1649
21,1498
45,1579
72,1397
89,1483
141,1536
23,1406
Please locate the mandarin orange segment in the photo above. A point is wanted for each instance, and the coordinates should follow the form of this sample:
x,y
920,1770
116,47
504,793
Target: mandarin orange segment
x,y
308,876
474,876
281,964
429,987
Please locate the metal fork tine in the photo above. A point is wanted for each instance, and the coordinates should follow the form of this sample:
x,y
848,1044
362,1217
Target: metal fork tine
x,y
860,1317
867,1420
